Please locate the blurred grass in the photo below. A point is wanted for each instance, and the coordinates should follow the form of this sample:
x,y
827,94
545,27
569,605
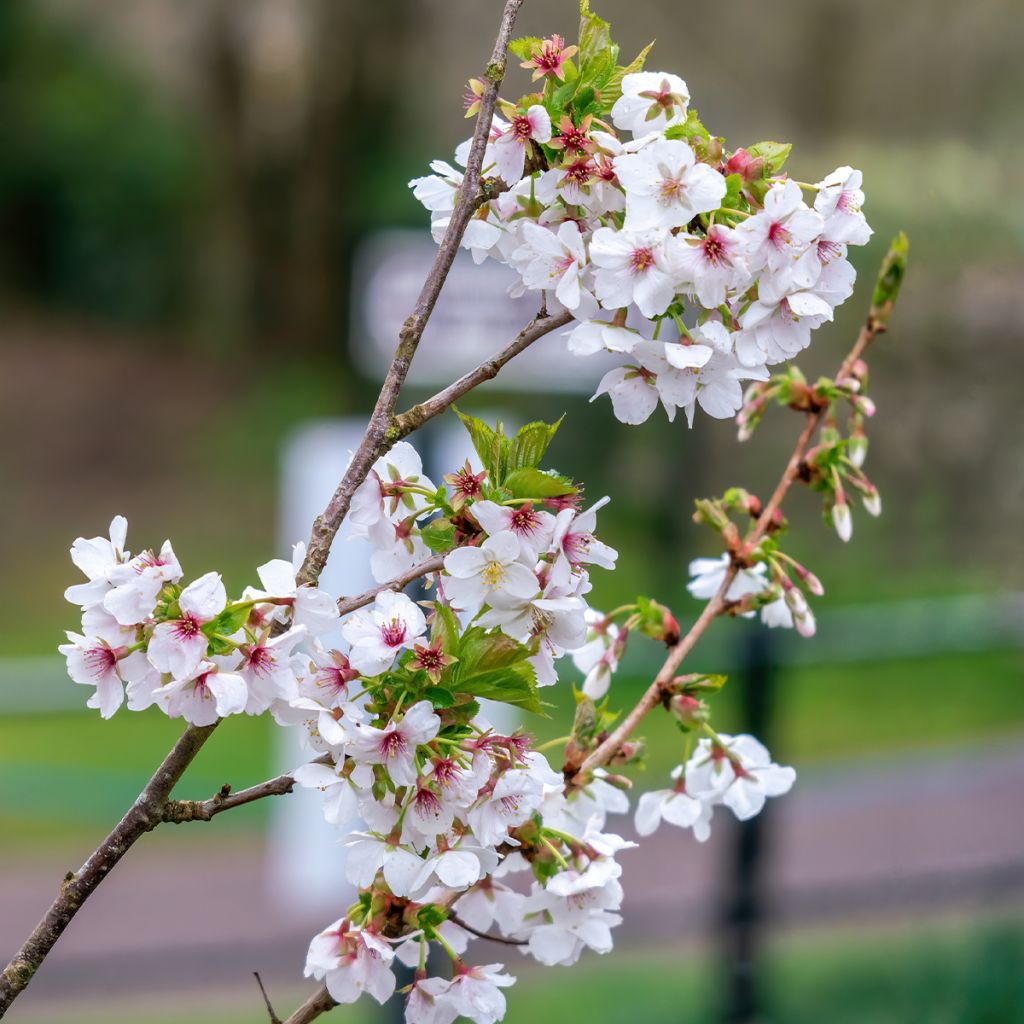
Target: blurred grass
x,y
950,974
71,774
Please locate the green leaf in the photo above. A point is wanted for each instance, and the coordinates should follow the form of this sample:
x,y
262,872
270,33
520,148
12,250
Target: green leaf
x,y
595,33
229,621
691,128
890,278
774,155
525,47
731,199
613,87
487,442
445,626
595,72
439,696
530,443
705,684
536,483
494,666
439,534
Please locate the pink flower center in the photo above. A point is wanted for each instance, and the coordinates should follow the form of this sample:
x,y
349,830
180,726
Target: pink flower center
x,y
427,804
259,660
578,173
641,260
847,203
392,744
100,661
716,251
829,251
393,633
186,628
576,545
521,128
524,520
778,236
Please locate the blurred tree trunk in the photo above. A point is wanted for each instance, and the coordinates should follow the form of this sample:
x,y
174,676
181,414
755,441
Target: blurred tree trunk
x,y
286,206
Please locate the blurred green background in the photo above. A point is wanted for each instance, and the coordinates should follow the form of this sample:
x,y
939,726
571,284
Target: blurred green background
x,y
183,189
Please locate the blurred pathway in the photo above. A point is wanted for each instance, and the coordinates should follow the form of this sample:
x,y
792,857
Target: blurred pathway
x,y
911,835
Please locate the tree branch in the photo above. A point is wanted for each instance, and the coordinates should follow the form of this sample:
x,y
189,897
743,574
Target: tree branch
x,y
661,686
455,919
179,811
150,808
319,1002
425,568
145,814
380,432
414,418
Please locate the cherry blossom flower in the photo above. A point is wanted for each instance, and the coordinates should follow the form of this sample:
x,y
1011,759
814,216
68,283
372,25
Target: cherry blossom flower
x,y
267,669
93,662
368,854
377,635
712,265
575,541
178,646
486,574
549,59
779,235
475,992
510,147
532,527
425,1005
394,746
675,806
632,267
709,575
553,261
98,557
311,607
666,187
342,789
651,101
210,691
738,773
351,961
839,201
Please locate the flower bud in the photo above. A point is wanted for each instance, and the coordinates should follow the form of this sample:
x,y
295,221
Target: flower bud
x,y
805,624
688,710
857,446
841,518
872,501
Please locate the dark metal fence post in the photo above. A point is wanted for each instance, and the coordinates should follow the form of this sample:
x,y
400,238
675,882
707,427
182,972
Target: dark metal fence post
x,y
741,914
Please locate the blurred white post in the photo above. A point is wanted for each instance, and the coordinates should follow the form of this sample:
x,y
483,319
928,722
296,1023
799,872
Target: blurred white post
x,y
305,861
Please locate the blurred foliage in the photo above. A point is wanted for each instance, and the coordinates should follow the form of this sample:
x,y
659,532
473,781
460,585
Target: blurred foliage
x,y
98,179
67,775
948,974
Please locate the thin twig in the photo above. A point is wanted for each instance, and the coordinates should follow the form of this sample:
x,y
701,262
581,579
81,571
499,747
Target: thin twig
x,y
319,1002
274,1019
149,809
455,919
145,814
655,693
425,568
380,431
414,418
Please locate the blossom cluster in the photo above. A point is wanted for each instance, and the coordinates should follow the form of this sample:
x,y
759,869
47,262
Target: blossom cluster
x,y
696,267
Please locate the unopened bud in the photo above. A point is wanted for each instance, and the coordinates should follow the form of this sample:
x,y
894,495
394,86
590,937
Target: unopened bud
x,y
872,501
841,518
857,446
670,629
746,165
890,278
810,581
795,599
805,624
690,711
